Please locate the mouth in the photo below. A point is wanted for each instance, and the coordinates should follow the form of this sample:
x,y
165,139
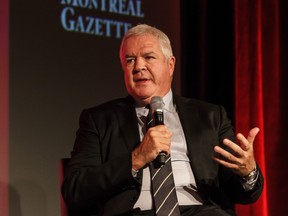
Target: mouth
x,y
141,80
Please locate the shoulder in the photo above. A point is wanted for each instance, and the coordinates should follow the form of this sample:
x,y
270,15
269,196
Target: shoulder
x,y
202,109
112,105
195,103
110,108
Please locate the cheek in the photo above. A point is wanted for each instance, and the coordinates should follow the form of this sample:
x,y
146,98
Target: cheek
x,y
164,77
128,79
127,74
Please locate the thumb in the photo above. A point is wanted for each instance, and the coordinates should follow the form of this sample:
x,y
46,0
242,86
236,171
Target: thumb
x,y
252,134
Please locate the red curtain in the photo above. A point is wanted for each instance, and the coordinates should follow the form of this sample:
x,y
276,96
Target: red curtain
x,y
258,81
4,107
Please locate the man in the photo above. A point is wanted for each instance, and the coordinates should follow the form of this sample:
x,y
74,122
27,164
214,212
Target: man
x,y
109,171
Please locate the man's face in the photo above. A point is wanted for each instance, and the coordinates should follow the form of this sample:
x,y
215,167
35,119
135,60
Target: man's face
x,y
146,71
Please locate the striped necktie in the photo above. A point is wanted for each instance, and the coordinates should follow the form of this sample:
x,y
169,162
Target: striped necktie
x,y
163,188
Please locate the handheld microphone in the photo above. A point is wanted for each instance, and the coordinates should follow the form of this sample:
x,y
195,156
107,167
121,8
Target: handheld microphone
x,y
157,107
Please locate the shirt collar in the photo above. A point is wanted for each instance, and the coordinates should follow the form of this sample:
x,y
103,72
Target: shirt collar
x,y
168,101
168,105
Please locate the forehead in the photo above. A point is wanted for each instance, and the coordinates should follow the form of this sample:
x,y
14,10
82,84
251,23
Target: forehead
x,y
141,42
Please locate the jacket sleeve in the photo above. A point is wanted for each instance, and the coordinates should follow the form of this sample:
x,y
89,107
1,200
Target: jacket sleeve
x,y
229,182
96,172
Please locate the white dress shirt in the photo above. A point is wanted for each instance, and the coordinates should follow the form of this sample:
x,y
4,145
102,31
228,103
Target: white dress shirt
x,y
182,171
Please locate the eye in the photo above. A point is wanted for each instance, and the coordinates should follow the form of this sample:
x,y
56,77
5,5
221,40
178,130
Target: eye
x,y
130,60
149,57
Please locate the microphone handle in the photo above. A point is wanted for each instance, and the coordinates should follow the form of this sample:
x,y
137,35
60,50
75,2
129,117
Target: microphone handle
x,y
159,120
161,158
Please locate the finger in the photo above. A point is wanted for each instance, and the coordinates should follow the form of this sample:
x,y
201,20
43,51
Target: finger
x,y
246,143
252,134
165,149
235,147
226,163
227,155
159,128
159,133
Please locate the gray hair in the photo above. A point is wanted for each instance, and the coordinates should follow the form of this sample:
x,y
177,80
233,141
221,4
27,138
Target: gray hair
x,y
142,29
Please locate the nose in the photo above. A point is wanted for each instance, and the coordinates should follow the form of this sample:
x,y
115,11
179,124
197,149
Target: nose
x,y
139,65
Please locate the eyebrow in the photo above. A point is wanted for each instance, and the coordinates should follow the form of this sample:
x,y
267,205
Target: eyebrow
x,y
129,56
145,54
149,53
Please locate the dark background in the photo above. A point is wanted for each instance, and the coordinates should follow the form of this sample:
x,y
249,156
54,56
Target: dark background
x,y
54,74
207,33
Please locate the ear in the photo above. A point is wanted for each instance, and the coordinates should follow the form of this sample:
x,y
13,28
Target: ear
x,y
171,63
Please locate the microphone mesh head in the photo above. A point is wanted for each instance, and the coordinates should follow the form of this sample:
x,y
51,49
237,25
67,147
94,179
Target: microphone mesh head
x,y
157,103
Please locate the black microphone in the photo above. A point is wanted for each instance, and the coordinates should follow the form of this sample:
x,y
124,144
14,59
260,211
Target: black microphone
x,y
157,107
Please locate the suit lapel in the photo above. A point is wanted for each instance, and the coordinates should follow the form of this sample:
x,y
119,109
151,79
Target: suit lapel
x,y
128,122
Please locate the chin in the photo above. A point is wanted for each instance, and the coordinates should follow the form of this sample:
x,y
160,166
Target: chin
x,y
142,97
142,94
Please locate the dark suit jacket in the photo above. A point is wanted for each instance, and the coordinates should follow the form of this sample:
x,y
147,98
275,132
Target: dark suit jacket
x,y
99,181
